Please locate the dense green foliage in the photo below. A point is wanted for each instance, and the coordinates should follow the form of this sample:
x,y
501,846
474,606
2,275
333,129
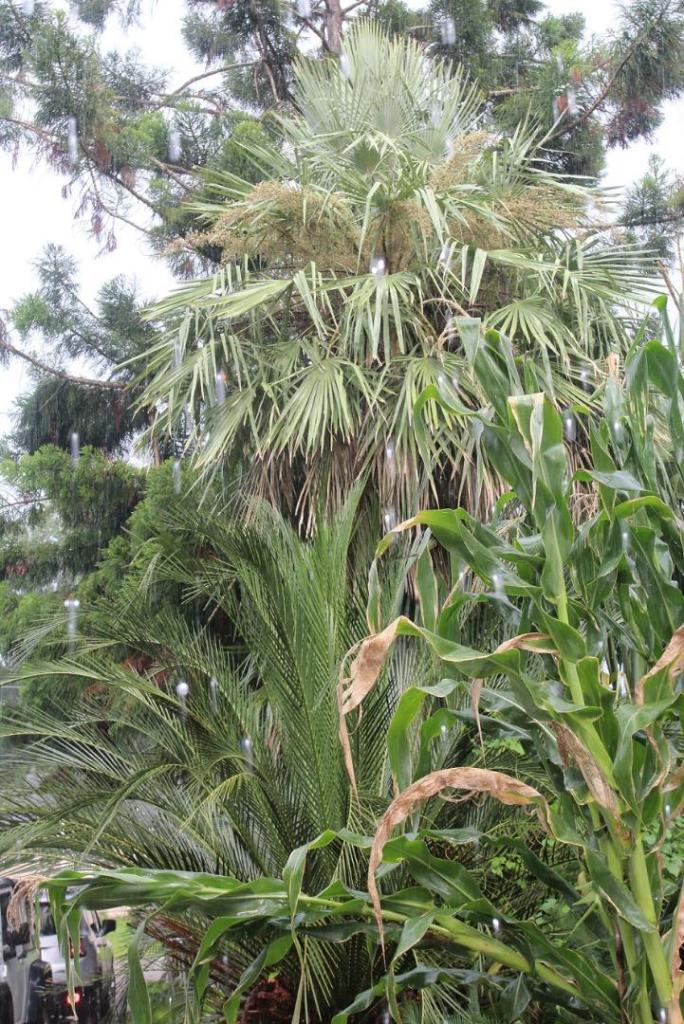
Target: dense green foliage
x,y
586,683
403,301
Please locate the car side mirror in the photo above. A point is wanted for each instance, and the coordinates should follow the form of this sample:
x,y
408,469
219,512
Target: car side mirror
x,y
108,926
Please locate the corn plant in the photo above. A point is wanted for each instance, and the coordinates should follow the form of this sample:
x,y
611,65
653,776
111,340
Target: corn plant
x,y
583,567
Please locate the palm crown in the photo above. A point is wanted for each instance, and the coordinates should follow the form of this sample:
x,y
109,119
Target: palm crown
x,y
388,209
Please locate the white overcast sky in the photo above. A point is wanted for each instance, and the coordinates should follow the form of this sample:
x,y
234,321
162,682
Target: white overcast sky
x,y
34,213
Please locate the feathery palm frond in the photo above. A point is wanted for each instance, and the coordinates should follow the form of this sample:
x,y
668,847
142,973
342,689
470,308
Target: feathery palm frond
x,y
247,766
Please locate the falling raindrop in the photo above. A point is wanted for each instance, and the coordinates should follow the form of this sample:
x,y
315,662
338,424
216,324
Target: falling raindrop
x,y
449,148
213,693
176,475
625,539
622,684
569,427
378,267
605,668
345,66
444,733
389,518
304,8
182,691
75,449
571,97
391,459
668,810
498,586
618,431
27,7
385,1017
72,139
174,145
496,925
177,351
584,379
246,748
72,604
445,256
220,388
663,1016
448,31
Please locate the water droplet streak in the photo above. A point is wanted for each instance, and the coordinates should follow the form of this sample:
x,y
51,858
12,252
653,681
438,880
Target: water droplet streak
x,y
498,586
72,604
345,66
496,925
378,267
622,684
182,691
247,751
75,449
389,518
213,693
72,140
176,476
174,145
220,386
448,31
391,459
569,427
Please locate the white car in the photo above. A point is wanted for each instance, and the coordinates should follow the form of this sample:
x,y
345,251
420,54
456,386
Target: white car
x,y
26,991
94,965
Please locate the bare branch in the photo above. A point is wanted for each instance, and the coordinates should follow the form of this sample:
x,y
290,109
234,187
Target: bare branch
x,y
198,78
107,385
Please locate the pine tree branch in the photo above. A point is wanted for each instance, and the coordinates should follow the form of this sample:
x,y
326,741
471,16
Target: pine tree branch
x,y
198,78
87,382
669,218
171,169
605,92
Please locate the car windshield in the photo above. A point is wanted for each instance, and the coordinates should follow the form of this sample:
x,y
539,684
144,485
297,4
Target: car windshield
x,y
47,925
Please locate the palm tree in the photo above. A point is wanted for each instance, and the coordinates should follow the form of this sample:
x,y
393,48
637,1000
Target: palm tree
x,y
388,211
207,747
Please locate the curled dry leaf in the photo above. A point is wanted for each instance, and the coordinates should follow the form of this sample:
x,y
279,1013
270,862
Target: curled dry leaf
x,y
672,659
363,674
367,665
573,752
536,643
501,787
